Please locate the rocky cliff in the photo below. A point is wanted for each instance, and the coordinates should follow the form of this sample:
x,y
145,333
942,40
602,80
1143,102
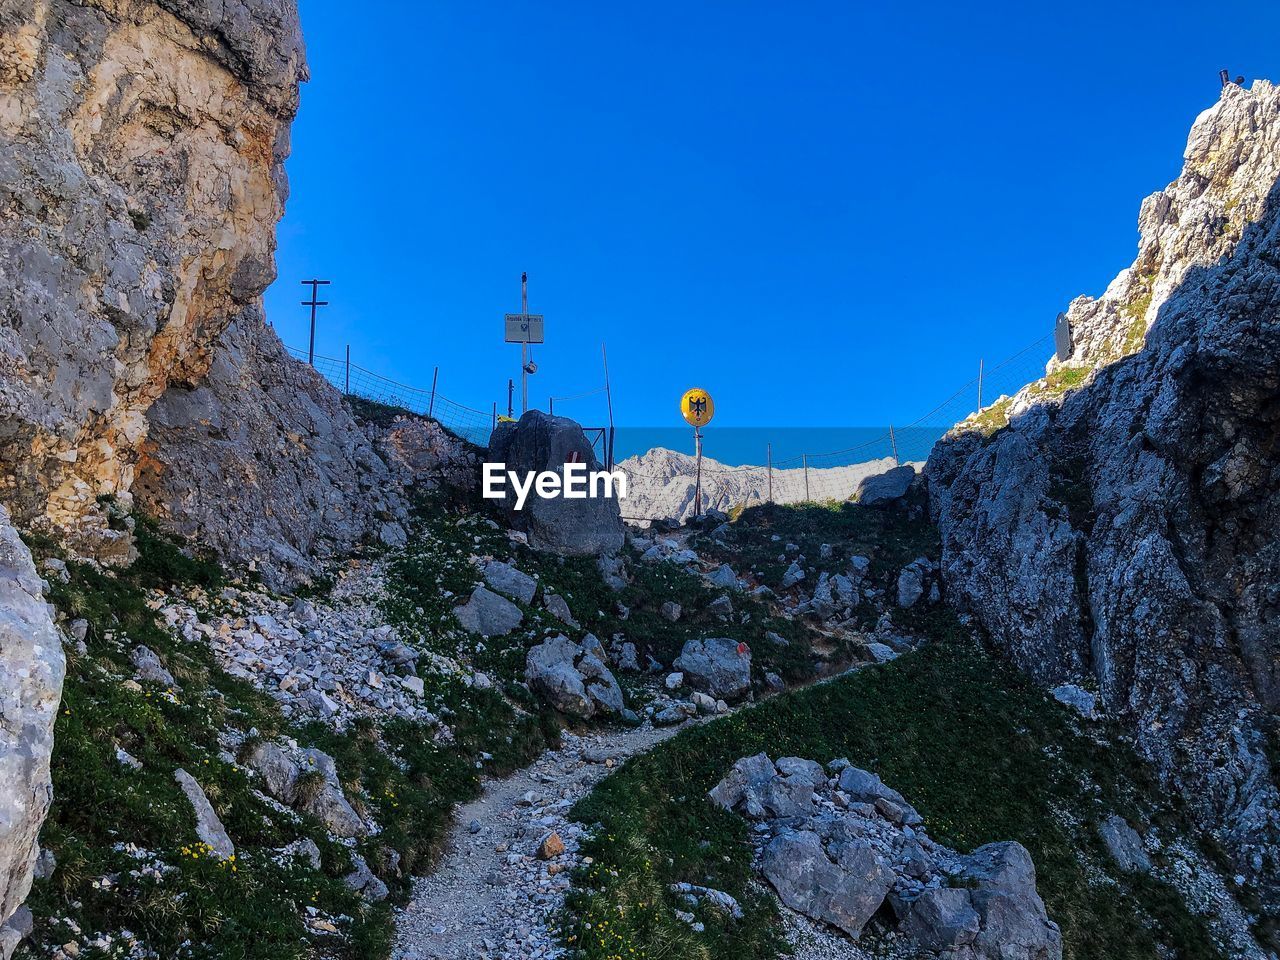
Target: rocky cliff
x,y
141,178
1114,523
263,462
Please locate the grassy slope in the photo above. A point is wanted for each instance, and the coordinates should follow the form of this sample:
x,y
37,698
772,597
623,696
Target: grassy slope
x,y
983,754
392,770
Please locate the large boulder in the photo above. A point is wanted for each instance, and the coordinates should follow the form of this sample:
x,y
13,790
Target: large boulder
x,y
488,614
807,881
208,827
717,665
573,678
885,488
572,527
506,579
31,673
308,781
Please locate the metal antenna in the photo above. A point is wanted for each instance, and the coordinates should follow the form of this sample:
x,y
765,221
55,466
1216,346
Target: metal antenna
x,y
313,303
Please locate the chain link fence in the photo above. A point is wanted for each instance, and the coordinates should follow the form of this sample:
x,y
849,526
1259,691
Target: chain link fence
x,y
808,477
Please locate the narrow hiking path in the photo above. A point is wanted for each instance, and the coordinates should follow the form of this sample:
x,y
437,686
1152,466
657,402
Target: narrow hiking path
x,y
494,892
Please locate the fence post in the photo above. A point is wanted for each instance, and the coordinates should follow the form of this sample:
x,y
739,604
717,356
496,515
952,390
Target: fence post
x,y
894,440
551,406
494,424
432,405
805,458
347,391
511,392
768,456
979,384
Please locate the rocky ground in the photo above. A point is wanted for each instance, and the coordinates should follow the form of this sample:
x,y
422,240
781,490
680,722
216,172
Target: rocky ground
x,y
496,893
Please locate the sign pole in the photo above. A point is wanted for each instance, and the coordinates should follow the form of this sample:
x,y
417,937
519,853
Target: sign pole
x,y
697,485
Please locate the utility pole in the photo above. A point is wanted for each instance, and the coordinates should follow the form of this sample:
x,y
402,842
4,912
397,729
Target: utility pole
x,y
524,347
313,303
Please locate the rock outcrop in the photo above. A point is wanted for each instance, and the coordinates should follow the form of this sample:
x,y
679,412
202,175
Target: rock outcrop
x,y
141,178
31,672
1118,518
589,526
262,461
845,848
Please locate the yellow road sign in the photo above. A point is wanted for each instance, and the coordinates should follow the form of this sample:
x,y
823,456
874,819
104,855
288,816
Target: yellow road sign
x,y
697,407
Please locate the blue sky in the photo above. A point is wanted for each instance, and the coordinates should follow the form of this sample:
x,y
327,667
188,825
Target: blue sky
x,y
823,213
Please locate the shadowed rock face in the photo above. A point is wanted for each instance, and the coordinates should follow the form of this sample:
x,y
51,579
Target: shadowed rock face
x,y
141,178
1128,530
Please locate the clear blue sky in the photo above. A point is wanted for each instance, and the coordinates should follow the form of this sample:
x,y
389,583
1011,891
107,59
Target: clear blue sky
x,y
823,213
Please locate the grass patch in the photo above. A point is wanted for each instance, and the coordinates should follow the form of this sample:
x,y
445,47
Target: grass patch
x,y
125,840
980,752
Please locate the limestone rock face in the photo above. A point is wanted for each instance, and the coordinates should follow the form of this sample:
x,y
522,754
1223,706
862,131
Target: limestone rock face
x,y
141,178
1127,528
31,672
262,461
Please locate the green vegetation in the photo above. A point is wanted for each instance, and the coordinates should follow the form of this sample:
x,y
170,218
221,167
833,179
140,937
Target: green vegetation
x,y
135,828
991,419
371,411
890,539
980,752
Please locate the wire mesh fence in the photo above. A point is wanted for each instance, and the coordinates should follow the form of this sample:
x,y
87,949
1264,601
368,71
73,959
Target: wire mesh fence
x,y
469,423
807,477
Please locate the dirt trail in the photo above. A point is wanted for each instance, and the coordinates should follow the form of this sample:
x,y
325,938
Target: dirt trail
x,y
492,896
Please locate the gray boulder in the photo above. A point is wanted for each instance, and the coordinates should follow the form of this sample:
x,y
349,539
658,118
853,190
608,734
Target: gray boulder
x,y
149,668
318,792
793,575
806,880
723,576
572,527
506,579
911,581
208,827
1077,698
745,774
488,614
1124,844
573,678
1002,881
558,607
717,666
362,880
885,488
942,919
670,610
31,674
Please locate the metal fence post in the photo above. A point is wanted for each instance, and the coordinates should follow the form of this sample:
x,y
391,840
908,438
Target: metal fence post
x,y
805,458
768,448
494,425
894,440
431,406
347,391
